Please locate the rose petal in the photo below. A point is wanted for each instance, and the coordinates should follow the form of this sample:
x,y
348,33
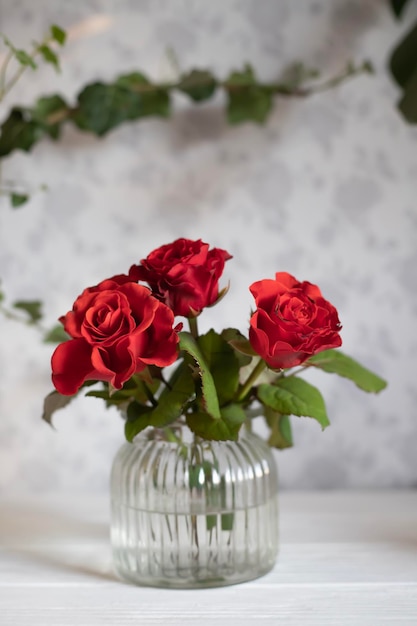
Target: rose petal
x,y
72,366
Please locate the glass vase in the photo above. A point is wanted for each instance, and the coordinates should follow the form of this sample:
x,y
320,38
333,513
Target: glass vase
x,y
188,513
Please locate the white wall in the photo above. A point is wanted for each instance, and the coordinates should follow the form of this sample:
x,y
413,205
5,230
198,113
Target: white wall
x,y
325,190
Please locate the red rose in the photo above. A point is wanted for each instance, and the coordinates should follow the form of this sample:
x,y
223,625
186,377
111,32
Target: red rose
x,y
183,274
292,321
117,329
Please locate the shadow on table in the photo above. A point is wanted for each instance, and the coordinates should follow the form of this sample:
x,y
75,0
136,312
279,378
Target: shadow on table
x,y
55,538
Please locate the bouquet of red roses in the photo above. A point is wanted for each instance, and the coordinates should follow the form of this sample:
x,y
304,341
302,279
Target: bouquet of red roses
x,y
122,335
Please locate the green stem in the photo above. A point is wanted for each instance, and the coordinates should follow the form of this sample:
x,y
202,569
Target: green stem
x,y
36,50
297,371
171,436
192,322
247,385
3,70
146,389
165,382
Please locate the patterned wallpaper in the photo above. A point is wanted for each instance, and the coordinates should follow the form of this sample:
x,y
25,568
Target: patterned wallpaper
x,y
325,190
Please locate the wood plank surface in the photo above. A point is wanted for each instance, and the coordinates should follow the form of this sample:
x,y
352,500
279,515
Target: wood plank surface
x,y
345,558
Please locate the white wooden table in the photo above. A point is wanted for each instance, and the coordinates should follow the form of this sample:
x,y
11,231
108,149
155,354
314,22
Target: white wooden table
x,y
345,558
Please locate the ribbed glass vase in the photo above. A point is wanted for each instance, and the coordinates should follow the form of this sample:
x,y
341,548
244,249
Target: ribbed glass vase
x,y
193,513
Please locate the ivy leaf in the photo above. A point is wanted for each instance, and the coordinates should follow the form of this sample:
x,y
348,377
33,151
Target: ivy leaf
x,y
102,107
19,132
398,6
408,103
336,362
31,307
49,56
223,364
50,112
208,388
403,62
199,85
58,34
248,100
224,429
154,100
280,426
25,59
294,396
25,127
53,402
56,334
18,199
20,55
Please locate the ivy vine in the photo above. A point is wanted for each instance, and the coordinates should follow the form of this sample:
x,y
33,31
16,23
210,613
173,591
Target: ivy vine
x,y
26,59
101,107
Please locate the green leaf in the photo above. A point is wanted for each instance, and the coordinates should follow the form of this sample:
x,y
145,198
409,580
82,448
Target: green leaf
x,y
247,100
244,78
138,418
336,362
208,388
102,107
408,103
170,406
280,436
31,307
58,34
224,429
240,344
133,389
199,85
403,61
49,56
294,396
53,402
25,127
56,334
18,199
25,59
19,132
398,6
50,112
154,100
223,364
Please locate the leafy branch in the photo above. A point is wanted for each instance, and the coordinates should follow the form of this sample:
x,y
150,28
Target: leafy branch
x,y
403,65
29,312
27,59
24,61
100,107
